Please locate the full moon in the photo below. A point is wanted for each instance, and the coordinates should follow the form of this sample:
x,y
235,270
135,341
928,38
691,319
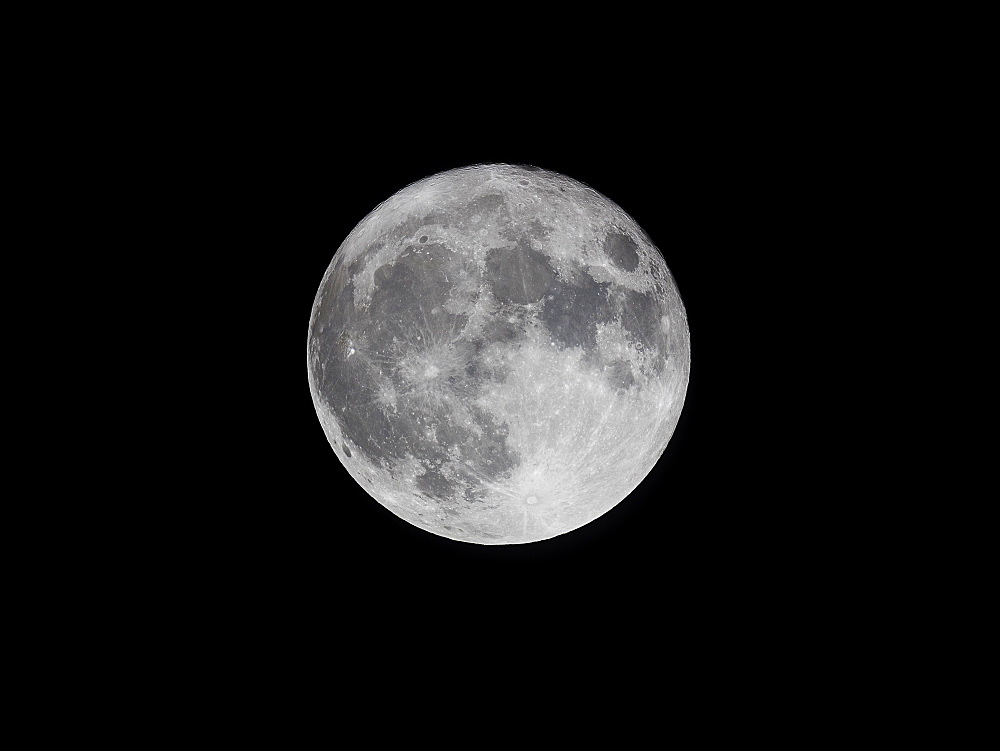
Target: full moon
x,y
498,354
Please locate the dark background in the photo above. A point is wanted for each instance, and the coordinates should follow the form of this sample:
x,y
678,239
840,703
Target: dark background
x,y
722,198
250,169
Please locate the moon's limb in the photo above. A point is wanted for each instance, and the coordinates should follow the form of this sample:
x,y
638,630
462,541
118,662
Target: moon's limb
x,y
498,354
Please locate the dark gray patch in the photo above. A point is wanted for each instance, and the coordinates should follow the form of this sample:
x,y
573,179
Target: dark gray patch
x,y
347,449
379,337
573,310
488,452
435,484
359,263
349,391
406,303
474,493
335,303
423,238
502,331
393,237
619,375
480,372
640,316
518,274
475,371
327,331
483,204
450,433
622,249
408,290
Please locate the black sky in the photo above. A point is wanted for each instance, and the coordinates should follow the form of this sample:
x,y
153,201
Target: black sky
x,y
707,191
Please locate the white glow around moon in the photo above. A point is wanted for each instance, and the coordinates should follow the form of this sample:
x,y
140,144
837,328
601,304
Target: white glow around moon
x,y
498,354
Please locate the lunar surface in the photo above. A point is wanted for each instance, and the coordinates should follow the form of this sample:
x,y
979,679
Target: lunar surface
x,y
498,354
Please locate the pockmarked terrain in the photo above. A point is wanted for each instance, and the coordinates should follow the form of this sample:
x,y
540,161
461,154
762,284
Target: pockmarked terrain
x,y
498,354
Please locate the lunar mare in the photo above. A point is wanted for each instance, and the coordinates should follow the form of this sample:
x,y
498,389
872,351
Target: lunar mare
x,y
498,354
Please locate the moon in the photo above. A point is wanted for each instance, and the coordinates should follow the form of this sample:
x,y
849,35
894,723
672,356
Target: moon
x,y
498,354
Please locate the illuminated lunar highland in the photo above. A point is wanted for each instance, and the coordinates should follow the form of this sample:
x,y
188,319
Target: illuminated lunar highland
x,y
498,354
